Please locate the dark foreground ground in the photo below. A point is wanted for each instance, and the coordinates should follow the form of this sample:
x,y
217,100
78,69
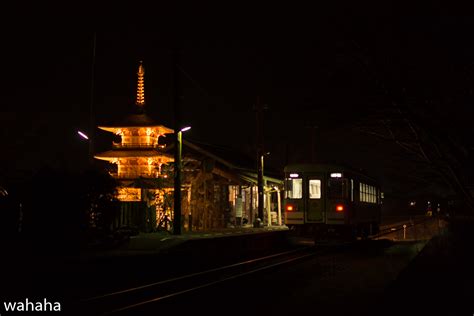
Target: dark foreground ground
x,y
437,281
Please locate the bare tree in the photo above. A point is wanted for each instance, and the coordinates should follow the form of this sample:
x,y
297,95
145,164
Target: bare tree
x,y
415,132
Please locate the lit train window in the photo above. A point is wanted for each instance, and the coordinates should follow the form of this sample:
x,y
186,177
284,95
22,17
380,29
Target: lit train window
x,y
368,193
314,189
294,188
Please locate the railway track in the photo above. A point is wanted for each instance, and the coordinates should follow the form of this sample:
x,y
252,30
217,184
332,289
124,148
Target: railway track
x,y
127,300
401,226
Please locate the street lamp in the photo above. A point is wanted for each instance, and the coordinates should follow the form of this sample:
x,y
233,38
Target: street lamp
x,y
177,181
89,140
82,135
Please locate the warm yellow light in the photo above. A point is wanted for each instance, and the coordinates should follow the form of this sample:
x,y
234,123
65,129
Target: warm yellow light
x,y
129,194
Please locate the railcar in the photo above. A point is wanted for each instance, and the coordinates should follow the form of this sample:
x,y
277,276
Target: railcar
x,y
331,201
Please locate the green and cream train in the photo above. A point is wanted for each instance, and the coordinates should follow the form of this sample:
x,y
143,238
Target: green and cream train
x,y
327,201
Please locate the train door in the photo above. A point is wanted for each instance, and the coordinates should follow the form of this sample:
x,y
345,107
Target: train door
x,y
315,201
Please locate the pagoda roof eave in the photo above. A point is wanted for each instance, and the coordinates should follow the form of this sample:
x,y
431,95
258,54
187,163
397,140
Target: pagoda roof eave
x,y
113,129
140,120
113,154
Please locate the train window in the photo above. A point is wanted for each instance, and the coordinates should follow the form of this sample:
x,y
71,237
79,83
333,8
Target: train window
x,y
314,189
367,193
294,188
335,188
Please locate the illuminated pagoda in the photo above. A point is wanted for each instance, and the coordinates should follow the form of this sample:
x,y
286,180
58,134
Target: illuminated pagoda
x,y
138,161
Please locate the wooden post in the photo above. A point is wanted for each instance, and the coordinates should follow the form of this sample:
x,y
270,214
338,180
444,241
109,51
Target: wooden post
x,y
190,215
251,205
279,205
260,155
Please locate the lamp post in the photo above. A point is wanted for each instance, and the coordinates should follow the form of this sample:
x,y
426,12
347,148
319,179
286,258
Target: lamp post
x,y
177,180
259,107
261,184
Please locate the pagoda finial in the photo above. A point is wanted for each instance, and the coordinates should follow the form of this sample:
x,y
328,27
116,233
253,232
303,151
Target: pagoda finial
x,y
140,86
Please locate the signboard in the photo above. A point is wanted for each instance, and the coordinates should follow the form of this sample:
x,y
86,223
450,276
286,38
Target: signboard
x,y
129,194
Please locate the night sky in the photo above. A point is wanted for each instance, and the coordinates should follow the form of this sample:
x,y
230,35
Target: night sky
x,y
338,68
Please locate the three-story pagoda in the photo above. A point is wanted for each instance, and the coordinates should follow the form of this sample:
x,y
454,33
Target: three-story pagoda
x,y
138,158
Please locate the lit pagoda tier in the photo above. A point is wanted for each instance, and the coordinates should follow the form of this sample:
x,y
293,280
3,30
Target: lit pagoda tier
x,y
135,163
137,136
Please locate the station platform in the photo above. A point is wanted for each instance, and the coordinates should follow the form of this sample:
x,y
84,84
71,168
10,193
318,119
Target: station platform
x,y
164,242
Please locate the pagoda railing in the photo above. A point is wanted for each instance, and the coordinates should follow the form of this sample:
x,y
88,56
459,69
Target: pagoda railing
x,y
120,145
135,175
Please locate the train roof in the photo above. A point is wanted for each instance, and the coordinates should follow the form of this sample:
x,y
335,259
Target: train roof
x,y
323,167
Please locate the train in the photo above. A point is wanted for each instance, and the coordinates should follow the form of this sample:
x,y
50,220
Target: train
x,y
327,202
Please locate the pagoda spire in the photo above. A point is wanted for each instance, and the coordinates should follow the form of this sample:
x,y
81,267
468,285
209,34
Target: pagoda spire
x,y
140,101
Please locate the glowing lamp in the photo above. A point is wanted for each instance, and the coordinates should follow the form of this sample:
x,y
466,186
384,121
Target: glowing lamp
x,y
290,208
82,135
339,208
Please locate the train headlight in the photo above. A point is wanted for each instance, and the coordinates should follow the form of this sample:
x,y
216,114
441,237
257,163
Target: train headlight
x,y
339,208
290,208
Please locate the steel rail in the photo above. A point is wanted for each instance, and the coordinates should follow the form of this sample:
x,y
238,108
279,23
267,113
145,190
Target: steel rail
x,y
397,228
235,276
192,275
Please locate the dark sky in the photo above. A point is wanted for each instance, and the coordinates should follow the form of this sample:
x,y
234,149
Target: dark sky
x,y
315,65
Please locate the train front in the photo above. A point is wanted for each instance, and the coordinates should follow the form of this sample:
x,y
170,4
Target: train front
x,y
316,201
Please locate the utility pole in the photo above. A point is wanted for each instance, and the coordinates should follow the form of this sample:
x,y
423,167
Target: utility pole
x,y
313,129
178,145
91,105
260,156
